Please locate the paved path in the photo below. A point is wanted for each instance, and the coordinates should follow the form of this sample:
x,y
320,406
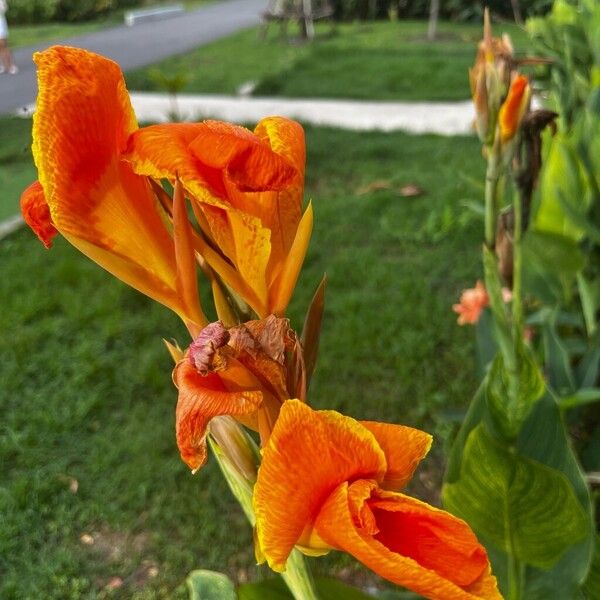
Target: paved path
x,y
444,118
140,45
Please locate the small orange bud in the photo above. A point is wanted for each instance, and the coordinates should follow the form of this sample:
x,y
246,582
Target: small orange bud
x,y
514,107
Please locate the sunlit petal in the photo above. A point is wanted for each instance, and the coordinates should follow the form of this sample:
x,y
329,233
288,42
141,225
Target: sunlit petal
x,y
309,454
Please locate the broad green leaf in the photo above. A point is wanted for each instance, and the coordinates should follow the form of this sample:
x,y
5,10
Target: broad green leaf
x,y
275,589
210,585
550,264
511,397
561,177
544,438
591,587
522,506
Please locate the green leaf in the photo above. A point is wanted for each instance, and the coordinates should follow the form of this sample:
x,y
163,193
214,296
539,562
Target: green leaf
x,y
511,397
591,587
580,398
275,589
485,342
562,181
544,439
558,365
589,292
475,414
210,585
523,507
588,370
550,264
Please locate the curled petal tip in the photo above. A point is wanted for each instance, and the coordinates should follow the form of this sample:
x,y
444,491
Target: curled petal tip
x,y
36,213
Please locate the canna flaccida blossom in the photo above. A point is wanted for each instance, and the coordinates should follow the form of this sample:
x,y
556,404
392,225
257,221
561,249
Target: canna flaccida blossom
x,y
170,208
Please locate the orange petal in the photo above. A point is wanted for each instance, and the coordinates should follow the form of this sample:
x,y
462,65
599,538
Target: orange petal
x,y
81,126
247,161
308,455
404,447
187,279
286,138
163,152
407,542
281,290
513,108
252,251
200,399
36,213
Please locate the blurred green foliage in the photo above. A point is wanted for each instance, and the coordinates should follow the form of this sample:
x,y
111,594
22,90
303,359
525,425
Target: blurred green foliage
x,y
44,11
449,9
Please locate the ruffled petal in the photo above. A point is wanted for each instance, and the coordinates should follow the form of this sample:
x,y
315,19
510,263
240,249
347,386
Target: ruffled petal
x,y
245,159
286,138
201,398
309,454
407,542
36,213
404,447
163,152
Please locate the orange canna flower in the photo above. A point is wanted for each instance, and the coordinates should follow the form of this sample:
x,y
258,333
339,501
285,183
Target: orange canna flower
x,y
86,191
472,302
246,371
514,107
328,482
246,190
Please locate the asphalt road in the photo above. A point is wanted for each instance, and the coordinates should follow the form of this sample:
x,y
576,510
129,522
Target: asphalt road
x,y
139,45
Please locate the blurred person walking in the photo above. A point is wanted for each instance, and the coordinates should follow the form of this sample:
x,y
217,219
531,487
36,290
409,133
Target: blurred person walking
x,y
6,57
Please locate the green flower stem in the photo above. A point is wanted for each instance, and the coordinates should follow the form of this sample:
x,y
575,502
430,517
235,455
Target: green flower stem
x,y
238,458
298,577
517,300
492,177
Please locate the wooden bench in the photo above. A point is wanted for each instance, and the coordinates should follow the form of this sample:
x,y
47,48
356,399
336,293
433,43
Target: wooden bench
x,y
132,17
305,12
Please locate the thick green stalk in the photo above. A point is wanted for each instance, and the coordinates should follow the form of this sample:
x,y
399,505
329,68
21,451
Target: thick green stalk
x,y
517,300
492,276
492,176
298,578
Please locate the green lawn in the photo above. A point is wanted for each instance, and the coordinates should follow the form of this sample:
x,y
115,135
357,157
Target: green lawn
x,y
87,394
374,61
28,35
16,167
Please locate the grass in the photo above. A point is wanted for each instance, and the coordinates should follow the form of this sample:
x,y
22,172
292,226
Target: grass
x,y
369,61
28,35
87,395
16,168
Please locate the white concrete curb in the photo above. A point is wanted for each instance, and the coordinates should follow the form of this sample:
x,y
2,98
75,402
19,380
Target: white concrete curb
x,y
9,225
442,118
445,118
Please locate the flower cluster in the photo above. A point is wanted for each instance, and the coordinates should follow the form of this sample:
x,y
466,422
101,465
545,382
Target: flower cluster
x,y
161,205
500,94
